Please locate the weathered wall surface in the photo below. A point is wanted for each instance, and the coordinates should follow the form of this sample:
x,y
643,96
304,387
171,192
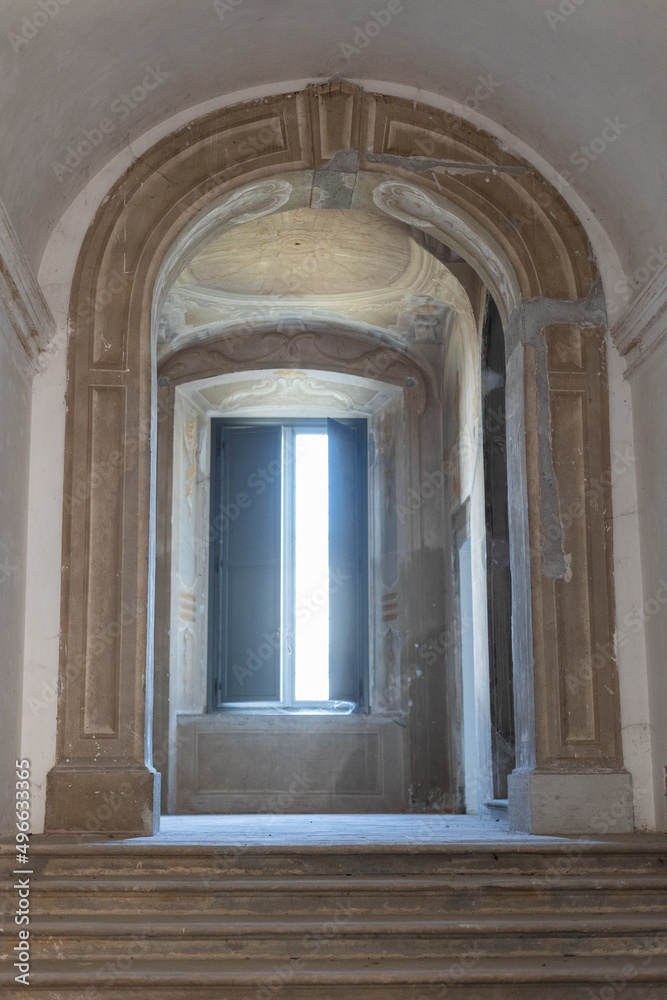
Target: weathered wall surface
x,y
15,398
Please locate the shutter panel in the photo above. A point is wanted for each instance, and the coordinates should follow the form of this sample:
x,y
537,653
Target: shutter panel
x,y
348,570
244,627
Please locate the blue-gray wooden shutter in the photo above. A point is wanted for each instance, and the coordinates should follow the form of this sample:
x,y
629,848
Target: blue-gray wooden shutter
x,y
348,560
245,579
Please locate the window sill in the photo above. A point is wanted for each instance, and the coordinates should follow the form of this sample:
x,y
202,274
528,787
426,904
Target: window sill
x,y
330,708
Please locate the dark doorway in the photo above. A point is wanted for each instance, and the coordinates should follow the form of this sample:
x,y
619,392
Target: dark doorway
x,y
499,581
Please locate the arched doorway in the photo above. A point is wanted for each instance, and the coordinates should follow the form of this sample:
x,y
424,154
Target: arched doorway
x,y
532,254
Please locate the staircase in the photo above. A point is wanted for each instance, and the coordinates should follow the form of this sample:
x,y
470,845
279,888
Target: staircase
x,y
496,921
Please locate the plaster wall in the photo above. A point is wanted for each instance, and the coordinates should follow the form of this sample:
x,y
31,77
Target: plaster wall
x,y
42,632
637,735
602,61
15,400
650,431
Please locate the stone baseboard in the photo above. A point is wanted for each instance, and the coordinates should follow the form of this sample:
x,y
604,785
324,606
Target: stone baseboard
x,y
557,803
115,801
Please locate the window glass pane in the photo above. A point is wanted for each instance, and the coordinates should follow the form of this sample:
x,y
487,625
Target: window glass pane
x,y
311,567
244,639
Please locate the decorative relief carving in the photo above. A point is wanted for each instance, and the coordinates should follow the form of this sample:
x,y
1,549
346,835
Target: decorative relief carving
x,y
292,387
190,444
329,350
424,320
187,607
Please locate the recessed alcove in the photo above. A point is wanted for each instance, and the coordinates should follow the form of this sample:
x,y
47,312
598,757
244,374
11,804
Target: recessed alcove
x,y
231,762
285,276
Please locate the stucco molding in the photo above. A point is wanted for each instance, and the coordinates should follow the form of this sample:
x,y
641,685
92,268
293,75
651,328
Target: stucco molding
x,y
325,350
23,308
643,327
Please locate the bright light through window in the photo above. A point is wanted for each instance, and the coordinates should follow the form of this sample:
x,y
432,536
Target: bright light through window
x,y
311,645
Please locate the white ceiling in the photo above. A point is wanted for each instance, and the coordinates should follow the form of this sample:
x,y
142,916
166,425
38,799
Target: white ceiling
x,y
552,87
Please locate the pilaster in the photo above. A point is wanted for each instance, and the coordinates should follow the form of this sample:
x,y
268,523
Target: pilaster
x,y
569,754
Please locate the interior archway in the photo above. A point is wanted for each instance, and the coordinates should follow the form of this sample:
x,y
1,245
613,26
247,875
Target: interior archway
x,y
336,148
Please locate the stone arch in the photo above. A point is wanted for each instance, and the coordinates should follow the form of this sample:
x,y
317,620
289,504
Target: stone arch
x,y
457,184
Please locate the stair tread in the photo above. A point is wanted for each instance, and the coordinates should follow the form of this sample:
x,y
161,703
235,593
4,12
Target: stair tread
x,y
458,843
287,882
331,972
117,926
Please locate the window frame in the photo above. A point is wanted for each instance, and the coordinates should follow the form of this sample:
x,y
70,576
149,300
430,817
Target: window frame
x,y
287,705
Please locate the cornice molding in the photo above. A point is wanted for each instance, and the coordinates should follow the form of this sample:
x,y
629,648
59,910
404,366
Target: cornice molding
x,y
23,308
643,327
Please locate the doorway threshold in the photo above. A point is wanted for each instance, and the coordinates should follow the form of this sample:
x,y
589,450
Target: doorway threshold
x,y
338,830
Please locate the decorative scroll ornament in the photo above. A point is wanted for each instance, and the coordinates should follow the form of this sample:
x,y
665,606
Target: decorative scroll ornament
x,y
412,205
243,205
292,387
253,201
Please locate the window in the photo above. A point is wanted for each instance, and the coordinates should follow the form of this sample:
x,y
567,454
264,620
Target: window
x,y
288,590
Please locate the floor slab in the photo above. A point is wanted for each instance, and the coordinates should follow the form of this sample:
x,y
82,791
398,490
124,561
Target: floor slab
x,y
342,830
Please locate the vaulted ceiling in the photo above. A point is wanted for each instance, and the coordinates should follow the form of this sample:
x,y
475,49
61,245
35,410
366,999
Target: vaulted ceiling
x,y
580,82
353,267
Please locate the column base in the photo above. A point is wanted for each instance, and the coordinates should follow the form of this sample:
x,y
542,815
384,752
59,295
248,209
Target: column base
x,y
567,803
118,801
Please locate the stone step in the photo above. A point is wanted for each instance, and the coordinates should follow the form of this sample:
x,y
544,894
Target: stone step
x,y
469,922
342,937
550,978
366,896
602,990
579,858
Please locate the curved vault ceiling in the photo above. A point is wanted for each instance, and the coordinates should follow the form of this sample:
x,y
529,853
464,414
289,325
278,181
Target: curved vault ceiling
x,y
315,265
553,81
306,250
